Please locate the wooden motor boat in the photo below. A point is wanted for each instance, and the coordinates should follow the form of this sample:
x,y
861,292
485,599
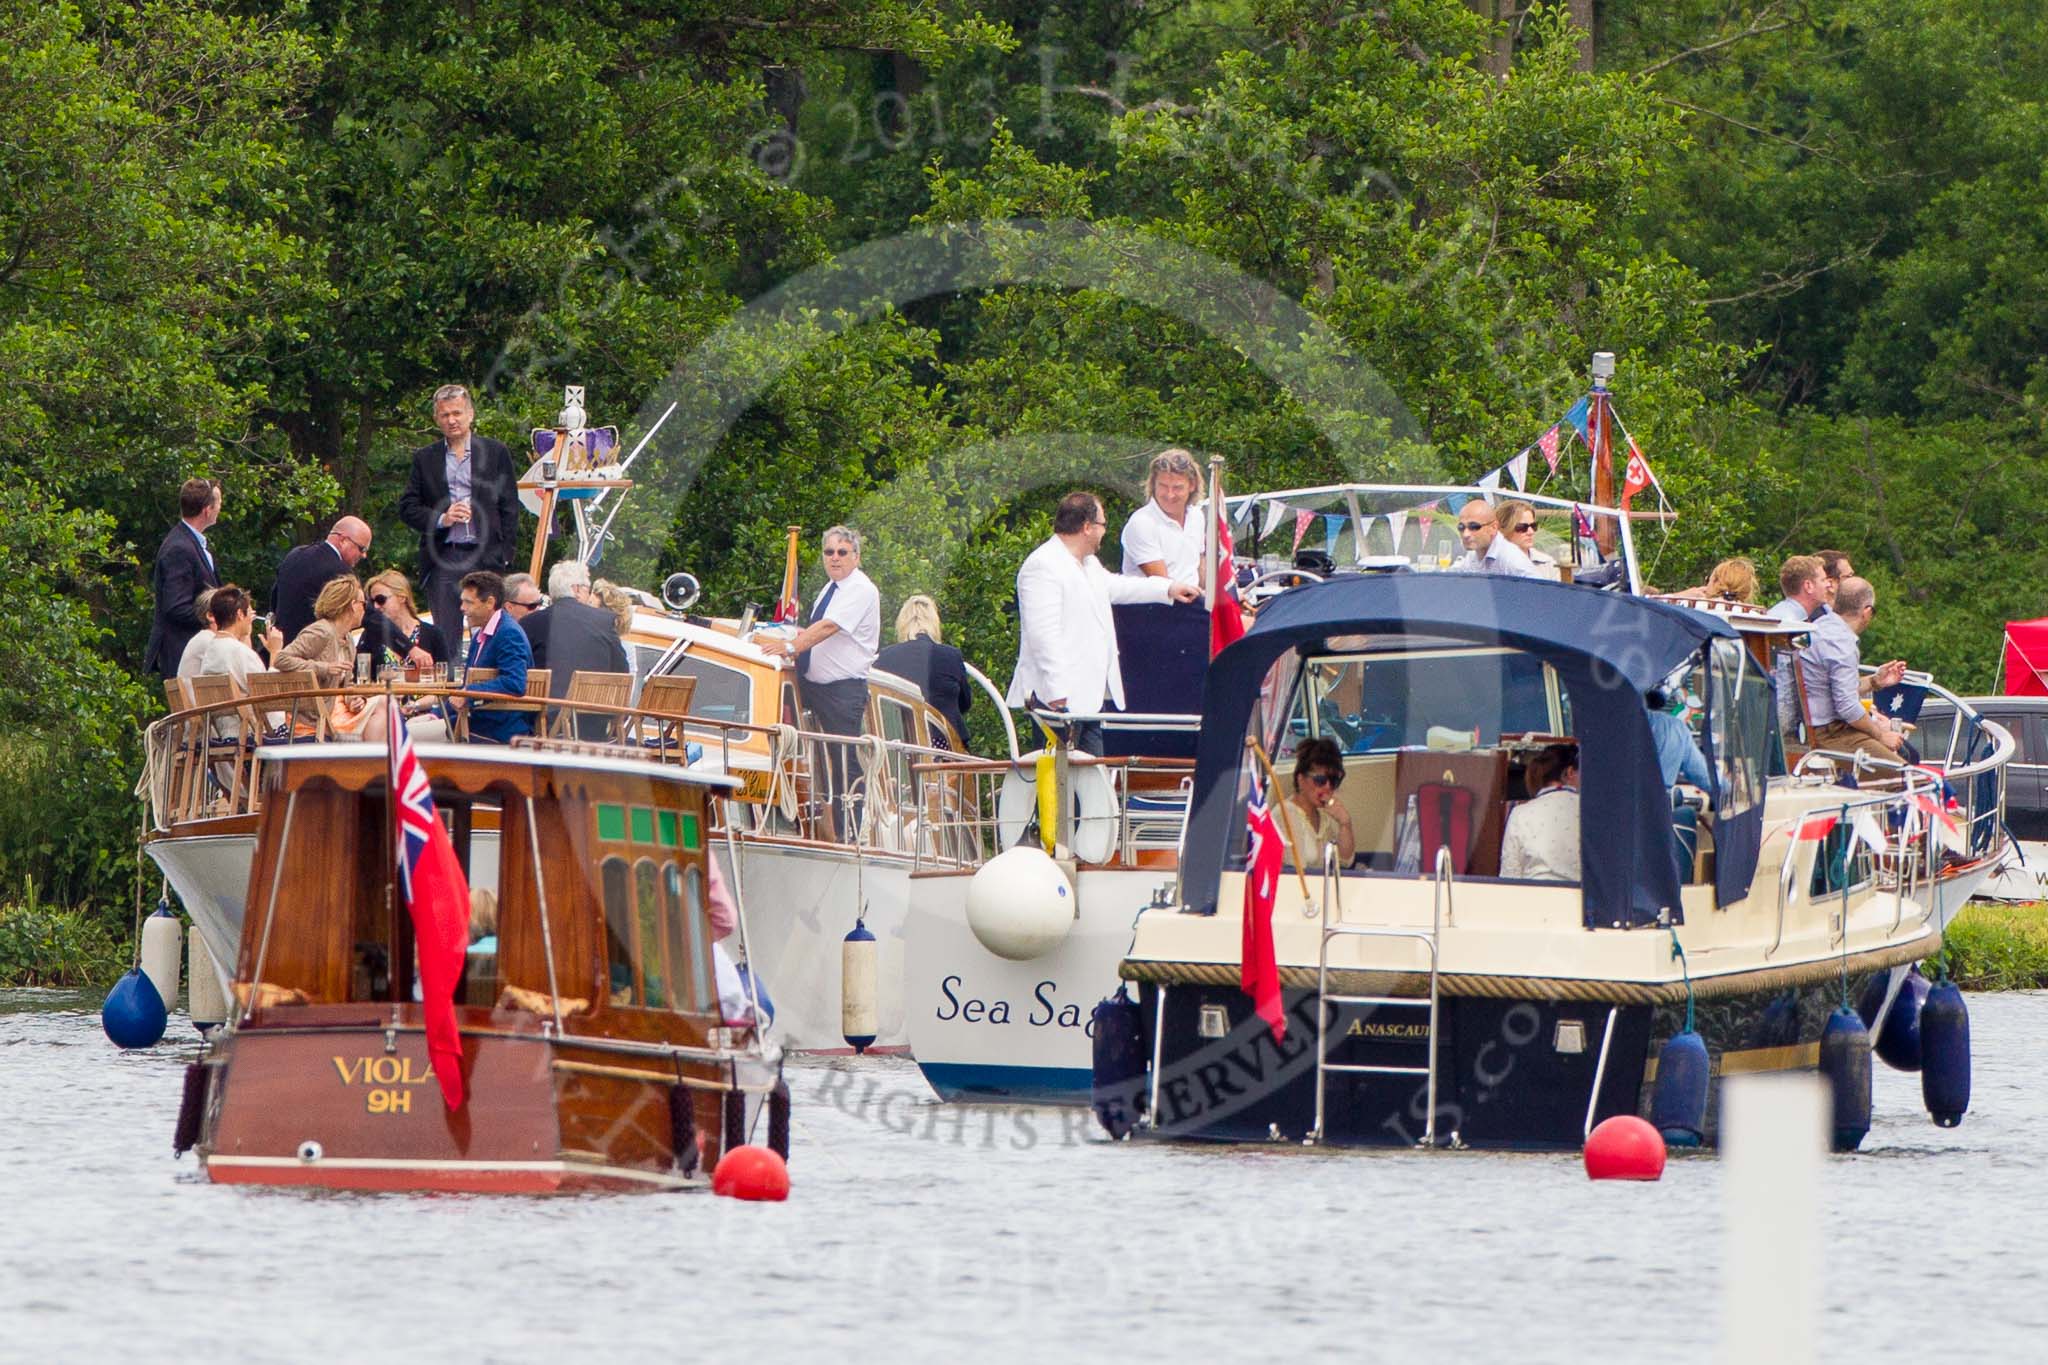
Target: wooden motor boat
x,y
595,1051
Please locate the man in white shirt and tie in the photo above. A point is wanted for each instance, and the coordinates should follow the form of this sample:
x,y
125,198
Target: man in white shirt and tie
x,y
1066,638
835,650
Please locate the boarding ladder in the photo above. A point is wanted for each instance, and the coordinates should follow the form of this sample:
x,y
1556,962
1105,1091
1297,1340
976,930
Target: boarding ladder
x,y
1429,940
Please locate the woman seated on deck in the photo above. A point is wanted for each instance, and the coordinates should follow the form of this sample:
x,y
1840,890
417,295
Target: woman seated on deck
x,y
228,651
1542,839
324,651
1313,812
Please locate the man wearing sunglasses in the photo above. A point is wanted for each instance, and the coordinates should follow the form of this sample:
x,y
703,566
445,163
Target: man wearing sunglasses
x,y
834,652
303,572
1486,549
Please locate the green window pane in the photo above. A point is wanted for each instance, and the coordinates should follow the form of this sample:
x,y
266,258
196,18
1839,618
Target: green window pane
x,y
611,822
643,825
666,821
693,835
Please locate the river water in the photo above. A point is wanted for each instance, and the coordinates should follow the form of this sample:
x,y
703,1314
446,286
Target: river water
x,y
923,1232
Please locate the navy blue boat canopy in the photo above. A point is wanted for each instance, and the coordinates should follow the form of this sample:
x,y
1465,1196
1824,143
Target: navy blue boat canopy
x,y
1606,649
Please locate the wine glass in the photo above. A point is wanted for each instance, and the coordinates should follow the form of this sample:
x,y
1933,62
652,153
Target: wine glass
x,y
1443,554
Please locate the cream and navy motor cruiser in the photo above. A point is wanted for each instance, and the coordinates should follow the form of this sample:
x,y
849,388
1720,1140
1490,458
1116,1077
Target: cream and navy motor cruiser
x,y
1428,999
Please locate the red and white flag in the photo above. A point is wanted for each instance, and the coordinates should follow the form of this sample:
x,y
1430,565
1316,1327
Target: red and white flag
x,y
1226,613
437,895
1259,974
1301,521
1816,826
1547,443
1637,476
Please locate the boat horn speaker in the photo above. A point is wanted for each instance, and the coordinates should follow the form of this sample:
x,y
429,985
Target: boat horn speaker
x,y
680,591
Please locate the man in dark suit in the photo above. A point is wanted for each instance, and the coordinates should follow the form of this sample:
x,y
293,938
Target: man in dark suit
x,y
580,635
305,570
183,569
524,601
462,497
498,643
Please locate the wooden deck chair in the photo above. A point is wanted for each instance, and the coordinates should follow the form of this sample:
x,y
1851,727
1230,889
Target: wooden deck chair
x,y
219,737
181,749
602,689
304,718
664,705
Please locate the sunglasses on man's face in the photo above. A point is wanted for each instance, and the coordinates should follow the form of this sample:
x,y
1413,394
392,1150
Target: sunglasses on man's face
x,y
834,554
1473,525
1325,779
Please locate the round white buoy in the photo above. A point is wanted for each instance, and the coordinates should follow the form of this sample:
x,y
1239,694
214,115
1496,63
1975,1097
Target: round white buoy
x,y
857,987
205,1002
1019,904
162,945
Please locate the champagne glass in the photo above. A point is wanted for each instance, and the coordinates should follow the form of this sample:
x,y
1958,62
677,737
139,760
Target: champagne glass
x,y
1443,554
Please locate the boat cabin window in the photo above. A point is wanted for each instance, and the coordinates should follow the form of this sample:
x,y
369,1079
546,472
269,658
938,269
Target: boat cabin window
x,y
657,940
723,694
898,725
1435,743
1375,704
1744,730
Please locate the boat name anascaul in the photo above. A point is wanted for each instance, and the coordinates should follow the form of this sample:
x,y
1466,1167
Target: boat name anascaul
x,y
382,1074
1045,1011
1362,1028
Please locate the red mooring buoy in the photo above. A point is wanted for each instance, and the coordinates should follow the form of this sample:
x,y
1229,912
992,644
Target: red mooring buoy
x,y
1624,1148
751,1173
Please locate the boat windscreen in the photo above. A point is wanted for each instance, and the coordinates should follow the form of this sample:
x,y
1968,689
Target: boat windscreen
x,y
1375,704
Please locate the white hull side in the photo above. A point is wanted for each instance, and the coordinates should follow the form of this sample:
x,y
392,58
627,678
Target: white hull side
x,y
984,1028
210,874
800,904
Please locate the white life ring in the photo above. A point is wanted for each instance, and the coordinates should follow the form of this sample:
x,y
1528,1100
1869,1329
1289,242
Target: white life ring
x,y
1091,798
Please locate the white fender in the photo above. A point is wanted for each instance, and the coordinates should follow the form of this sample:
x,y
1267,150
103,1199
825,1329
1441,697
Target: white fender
x,y
163,943
205,1002
1019,904
1091,797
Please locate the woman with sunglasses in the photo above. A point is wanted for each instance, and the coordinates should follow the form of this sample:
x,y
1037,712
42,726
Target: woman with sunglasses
x,y
394,624
1313,813
1518,523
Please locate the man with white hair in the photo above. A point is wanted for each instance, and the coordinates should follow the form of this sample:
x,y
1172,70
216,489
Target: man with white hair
x,y
571,634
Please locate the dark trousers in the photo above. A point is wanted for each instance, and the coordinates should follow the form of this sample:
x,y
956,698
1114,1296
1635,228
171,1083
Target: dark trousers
x,y
838,708
441,590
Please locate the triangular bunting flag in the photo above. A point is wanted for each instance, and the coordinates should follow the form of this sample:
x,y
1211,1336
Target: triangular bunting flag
x,y
1518,470
1490,485
1301,521
1333,527
1547,443
1396,523
1274,511
1576,418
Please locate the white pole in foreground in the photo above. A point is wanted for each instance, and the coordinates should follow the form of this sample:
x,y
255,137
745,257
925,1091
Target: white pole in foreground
x,y
1773,1138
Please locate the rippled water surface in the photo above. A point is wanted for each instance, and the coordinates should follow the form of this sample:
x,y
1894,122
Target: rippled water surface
x,y
921,1232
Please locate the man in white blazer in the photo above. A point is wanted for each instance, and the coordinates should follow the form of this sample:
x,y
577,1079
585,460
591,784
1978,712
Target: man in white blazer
x,y
1066,639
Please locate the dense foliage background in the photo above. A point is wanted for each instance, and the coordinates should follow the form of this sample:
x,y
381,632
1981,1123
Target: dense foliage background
x,y
250,240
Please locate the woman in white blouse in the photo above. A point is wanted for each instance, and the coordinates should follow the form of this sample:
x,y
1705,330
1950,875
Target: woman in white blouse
x,y
1165,538
1542,839
229,651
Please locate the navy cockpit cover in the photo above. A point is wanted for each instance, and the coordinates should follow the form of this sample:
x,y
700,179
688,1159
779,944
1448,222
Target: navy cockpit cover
x,y
1607,649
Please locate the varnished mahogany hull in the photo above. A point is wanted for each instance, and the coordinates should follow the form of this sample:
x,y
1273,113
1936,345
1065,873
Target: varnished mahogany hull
x,y
541,1115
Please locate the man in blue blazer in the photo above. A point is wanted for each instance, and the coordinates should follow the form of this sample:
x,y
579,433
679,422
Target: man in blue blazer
x,y
497,642
183,568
